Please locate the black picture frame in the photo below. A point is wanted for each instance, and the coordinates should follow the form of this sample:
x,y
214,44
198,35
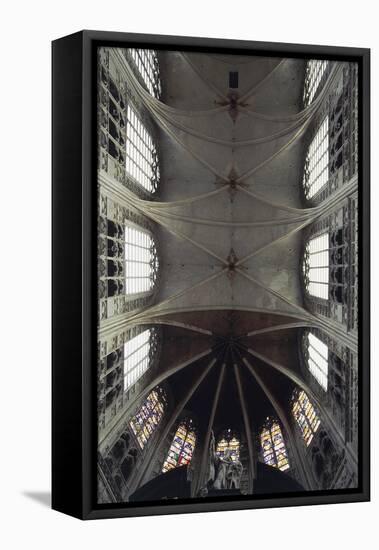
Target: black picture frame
x,y
74,267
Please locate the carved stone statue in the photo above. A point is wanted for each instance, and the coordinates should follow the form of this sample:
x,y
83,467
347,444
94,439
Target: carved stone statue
x,y
211,460
234,475
223,466
224,472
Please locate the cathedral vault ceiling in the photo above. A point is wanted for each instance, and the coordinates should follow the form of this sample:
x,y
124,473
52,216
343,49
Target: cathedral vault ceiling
x,y
229,223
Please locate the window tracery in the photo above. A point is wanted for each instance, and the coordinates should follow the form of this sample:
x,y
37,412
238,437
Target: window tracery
x,y
182,446
127,148
138,353
146,62
141,260
314,72
316,266
316,166
141,152
317,359
228,441
305,416
273,446
147,418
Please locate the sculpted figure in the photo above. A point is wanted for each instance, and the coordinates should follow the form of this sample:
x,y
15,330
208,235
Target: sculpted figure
x,y
224,465
234,475
223,472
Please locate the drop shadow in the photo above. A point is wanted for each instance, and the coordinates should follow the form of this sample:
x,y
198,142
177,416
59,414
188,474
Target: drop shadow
x,y
42,497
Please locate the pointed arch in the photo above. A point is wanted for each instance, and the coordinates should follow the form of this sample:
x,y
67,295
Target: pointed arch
x,y
147,418
273,446
182,446
305,415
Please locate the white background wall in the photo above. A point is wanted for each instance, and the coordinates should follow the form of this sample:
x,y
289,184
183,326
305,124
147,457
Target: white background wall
x,y
26,31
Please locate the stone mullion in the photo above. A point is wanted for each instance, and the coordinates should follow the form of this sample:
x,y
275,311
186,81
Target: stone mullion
x,y
249,439
302,466
203,465
147,465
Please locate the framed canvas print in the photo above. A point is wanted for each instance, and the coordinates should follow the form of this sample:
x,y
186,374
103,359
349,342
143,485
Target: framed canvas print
x,y
210,274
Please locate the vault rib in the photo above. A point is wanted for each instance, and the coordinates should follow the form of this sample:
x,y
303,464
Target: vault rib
x,y
336,69
253,90
144,392
304,386
201,478
157,308
304,312
307,480
203,77
145,98
345,191
154,451
277,328
282,237
157,218
231,307
246,421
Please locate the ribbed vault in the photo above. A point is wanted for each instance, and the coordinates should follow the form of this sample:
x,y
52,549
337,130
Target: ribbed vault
x,y
229,221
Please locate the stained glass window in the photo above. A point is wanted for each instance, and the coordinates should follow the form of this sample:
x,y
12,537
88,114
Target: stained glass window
x,y
228,440
273,446
316,167
141,261
146,420
182,447
314,72
305,415
318,359
141,152
316,266
146,62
